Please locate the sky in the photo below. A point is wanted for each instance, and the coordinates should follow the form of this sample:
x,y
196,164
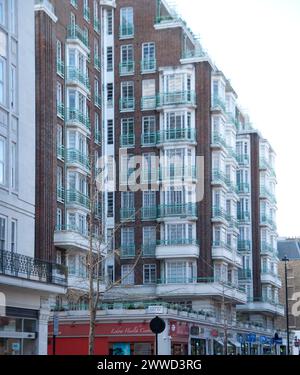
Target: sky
x,y
256,43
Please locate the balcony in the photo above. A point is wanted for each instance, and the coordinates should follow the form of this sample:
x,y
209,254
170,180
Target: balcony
x,y
60,152
270,277
187,98
218,104
232,221
219,178
127,140
76,77
126,31
173,173
60,68
71,237
97,101
267,249
176,135
74,197
76,158
60,194
76,34
222,251
148,66
149,213
266,194
244,246
148,103
266,305
267,221
31,269
61,110
180,248
243,159
127,214
126,68
127,251
245,275
177,210
218,141
264,164
219,215
149,250
149,139
127,104
192,54
243,188
244,217
75,117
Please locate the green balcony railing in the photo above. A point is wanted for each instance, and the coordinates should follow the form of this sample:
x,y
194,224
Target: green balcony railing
x,y
149,213
178,242
127,251
75,197
76,33
243,216
97,63
127,214
126,31
97,101
176,135
243,159
244,246
61,110
60,152
221,244
126,68
173,210
60,67
127,104
149,250
233,223
245,274
243,188
267,220
267,249
96,25
218,103
98,137
265,193
148,103
267,271
177,173
164,18
219,213
219,177
127,140
76,157
148,65
75,75
266,300
219,140
190,54
60,193
87,14
149,139
176,98
75,116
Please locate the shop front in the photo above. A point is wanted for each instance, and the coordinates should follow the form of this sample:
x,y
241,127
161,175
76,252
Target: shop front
x,y
180,333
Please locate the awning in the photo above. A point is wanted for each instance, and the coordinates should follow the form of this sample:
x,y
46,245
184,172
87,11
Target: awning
x,y
235,343
219,341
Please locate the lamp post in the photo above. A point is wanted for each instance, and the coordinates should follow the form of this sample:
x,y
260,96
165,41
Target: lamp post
x,y
286,260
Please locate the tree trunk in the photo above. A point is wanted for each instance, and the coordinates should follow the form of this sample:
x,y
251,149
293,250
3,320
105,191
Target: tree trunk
x,y
92,330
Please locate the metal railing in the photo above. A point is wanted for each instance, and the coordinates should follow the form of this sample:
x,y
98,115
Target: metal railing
x,y
75,197
176,135
148,65
126,31
127,214
75,75
75,156
149,213
176,98
178,242
173,210
126,68
24,267
75,116
76,33
127,104
127,251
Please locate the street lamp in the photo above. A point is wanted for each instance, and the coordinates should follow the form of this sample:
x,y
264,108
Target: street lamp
x,y
286,260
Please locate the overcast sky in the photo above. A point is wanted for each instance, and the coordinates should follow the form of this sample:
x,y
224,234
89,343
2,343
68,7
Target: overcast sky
x,y
256,43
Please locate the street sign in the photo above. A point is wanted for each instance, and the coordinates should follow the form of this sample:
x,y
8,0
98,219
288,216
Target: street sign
x,y
157,310
55,325
251,337
263,339
157,325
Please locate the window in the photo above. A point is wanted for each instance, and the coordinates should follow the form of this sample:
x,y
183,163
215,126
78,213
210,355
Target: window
x,y
59,56
13,166
110,132
149,273
149,241
13,24
127,132
148,59
109,59
110,95
176,233
110,240
126,26
2,80
13,243
149,130
148,95
110,274
2,160
2,233
110,204
71,265
127,96
59,96
82,224
109,22
58,219
149,198
127,274
13,90
59,136
2,12
127,199
127,60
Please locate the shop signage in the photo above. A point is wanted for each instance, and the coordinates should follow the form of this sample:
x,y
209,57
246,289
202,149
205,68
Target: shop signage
x,y
251,337
179,329
263,339
127,330
195,331
214,333
157,310
241,339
